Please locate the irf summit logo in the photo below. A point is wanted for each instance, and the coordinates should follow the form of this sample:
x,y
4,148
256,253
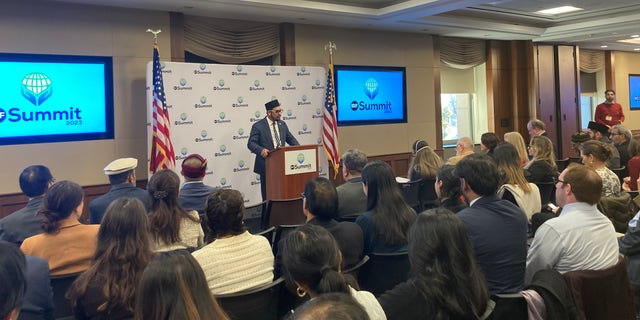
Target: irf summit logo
x,y
37,88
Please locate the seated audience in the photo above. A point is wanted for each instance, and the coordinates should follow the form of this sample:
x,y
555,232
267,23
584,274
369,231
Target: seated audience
x,y
515,139
600,132
66,244
173,286
542,167
38,300
352,200
515,188
629,246
311,260
122,177
236,260
12,278
446,283
108,289
417,145
464,147
576,140
172,227
388,217
581,238
631,182
497,228
331,306
488,142
24,223
425,164
620,137
595,155
448,189
194,193
536,127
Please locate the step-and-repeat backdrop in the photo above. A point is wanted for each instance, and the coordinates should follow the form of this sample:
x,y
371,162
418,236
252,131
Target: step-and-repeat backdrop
x,y
212,108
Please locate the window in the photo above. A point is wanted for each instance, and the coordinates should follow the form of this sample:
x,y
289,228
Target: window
x,y
456,116
587,109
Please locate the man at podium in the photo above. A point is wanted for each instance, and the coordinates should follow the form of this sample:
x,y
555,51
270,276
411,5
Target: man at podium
x,y
267,135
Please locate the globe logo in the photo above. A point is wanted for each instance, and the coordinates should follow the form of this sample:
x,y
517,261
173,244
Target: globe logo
x,y
321,170
162,65
256,83
303,69
36,87
318,111
223,181
300,158
317,82
183,116
319,141
223,148
203,99
222,115
304,127
203,66
354,105
240,131
203,133
289,112
239,68
183,151
371,88
288,83
240,99
241,163
221,83
273,69
257,177
304,98
257,114
183,82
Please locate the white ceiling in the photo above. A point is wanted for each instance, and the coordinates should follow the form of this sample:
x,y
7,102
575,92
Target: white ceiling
x,y
600,23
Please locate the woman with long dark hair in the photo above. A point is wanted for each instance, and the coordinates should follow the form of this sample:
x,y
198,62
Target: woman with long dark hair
x,y
388,217
172,227
107,289
515,187
447,188
66,244
173,286
312,259
446,282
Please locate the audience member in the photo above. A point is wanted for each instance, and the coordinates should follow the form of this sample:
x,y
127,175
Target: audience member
x,y
12,278
497,228
448,189
417,145
24,223
66,244
620,137
576,140
172,227
542,167
122,177
536,127
446,282
581,238
424,165
464,147
388,217
600,133
311,260
194,193
595,155
629,246
38,300
488,142
609,113
352,199
331,306
515,188
631,182
173,286
236,260
515,139
108,289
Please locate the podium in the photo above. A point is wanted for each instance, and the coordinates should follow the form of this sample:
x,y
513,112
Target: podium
x,y
288,169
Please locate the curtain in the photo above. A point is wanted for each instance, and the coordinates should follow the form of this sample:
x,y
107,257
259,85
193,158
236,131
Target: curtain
x,y
591,60
461,53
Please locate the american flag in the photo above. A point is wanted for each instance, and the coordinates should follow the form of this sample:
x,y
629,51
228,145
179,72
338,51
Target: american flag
x,y
329,124
162,155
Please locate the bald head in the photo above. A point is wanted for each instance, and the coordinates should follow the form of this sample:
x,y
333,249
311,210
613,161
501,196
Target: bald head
x,y
465,144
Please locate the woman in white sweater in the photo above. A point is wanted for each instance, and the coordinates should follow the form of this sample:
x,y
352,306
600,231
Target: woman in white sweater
x,y
236,260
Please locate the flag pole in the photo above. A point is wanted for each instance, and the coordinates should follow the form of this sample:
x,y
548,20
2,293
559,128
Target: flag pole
x,y
155,35
330,126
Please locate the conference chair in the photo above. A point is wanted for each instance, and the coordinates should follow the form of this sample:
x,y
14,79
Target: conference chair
x,y
255,304
429,198
269,234
59,286
411,193
547,192
280,233
355,269
562,164
384,271
621,172
283,212
253,217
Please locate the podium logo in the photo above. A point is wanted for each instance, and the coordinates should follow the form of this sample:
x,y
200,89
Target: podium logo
x,y
221,118
182,155
300,159
183,120
37,88
223,151
238,71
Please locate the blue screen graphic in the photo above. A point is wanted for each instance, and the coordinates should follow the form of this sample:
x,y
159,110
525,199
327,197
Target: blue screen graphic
x,y
48,98
370,95
634,91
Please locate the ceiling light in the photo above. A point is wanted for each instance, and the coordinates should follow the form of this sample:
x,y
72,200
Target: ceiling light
x,y
604,46
635,36
636,49
559,10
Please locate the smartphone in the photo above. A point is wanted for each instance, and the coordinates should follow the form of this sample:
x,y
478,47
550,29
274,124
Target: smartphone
x,y
552,206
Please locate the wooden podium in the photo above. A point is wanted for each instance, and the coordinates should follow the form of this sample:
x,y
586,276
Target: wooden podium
x,y
288,169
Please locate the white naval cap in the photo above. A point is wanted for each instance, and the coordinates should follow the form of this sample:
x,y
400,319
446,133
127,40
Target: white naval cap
x,y
120,165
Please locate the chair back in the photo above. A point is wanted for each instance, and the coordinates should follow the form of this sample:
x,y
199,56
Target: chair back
x,y
602,294
384,271
280,233
253,217
547,192
411,193
574,160
429,197
354,270
259,303
59,286
562,164
283,212
621,172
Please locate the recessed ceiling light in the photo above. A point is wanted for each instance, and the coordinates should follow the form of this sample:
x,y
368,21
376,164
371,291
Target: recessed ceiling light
x,y
635,36
636,49
604,46
559,10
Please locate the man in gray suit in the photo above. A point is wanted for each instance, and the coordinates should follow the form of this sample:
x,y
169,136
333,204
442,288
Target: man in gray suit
x,y
267,135
351,197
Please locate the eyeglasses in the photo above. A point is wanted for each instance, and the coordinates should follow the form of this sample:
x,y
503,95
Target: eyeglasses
x,y
556,180
277,111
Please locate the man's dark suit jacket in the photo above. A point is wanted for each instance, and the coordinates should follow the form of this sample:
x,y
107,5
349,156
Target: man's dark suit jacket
x,y
498,232
260,138
193,196
99,205
38,300
23,223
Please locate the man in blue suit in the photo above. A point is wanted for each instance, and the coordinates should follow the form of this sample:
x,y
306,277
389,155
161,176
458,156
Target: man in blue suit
x,y
267,135
194,193
497,228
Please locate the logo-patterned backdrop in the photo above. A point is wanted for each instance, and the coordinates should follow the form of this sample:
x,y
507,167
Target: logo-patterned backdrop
x,y
212,108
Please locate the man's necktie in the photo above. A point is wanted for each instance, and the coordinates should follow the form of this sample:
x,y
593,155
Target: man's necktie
x,y
275,134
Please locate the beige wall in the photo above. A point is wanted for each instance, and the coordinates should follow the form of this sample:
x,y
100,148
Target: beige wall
x,y
378,48
53,28
626,63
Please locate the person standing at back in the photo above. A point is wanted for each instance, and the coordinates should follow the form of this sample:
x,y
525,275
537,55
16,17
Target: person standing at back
x,y
609,113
